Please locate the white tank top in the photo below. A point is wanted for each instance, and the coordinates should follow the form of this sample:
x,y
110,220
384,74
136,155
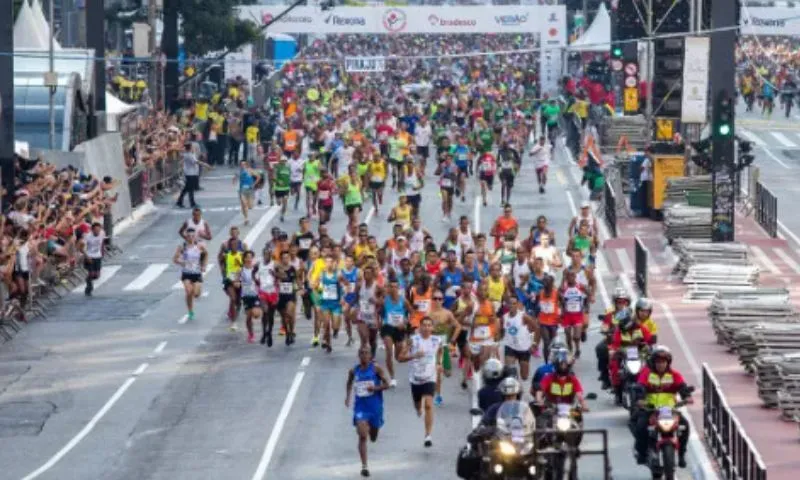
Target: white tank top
x,y
518,271
423,370
191,259
246,277
517,336
266,278
397,257
94,245
417,241
465,240
366,309
197,227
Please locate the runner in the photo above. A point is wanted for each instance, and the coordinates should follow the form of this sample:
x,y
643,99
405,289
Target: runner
x,y
248,279
424,351
330,284
230,261
268,294
541,154
247,179
197,223
288,287
368,381
369,295
447,328
93,247
282,184
394,327
192,257
518,328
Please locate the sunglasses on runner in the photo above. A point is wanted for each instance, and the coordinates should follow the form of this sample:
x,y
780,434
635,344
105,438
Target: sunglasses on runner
x,y
438,299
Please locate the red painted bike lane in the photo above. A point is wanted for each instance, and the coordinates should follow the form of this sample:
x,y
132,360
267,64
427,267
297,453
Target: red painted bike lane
x,y
686,328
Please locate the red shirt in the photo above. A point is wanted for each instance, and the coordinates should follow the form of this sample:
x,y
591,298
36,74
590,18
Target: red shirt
x,y
487,164
325,192
384,132
561,384
433,268
596,93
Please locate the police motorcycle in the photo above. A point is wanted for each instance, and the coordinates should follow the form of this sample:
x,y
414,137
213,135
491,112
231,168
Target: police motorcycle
x,y
506,451
561,439
630,366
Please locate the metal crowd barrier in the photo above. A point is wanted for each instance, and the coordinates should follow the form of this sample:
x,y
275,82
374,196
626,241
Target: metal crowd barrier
x,y
136,188
767,210
610,210
163,176
642,258
729,443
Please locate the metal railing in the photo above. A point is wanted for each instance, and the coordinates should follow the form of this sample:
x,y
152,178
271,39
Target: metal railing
x,y
766,210
729,443
642,256
136,188
610,208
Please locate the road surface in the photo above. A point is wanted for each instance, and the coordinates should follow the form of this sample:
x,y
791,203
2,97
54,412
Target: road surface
x,y
120,386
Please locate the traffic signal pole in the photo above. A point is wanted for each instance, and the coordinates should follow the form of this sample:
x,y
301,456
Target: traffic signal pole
x,y
7,96
723,74
649,77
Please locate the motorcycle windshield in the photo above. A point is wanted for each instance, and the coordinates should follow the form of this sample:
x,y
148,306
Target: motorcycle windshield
x,y
665,413
563,410
632,353
515,420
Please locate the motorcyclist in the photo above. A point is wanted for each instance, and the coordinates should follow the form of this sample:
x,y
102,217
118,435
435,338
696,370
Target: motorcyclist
x,y
660,383
489,394
621,301
546,368
511,391
561,386
644,312
629,333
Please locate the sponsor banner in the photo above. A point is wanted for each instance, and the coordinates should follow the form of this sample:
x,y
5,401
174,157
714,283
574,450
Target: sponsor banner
x,y
694,103
240,64
364,64
770,21
550,68
547,20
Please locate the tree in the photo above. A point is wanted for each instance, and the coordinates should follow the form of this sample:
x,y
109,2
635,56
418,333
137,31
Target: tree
x,y
213,25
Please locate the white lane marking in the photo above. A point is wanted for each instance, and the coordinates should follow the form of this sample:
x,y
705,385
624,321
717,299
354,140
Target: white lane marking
x,y
775,157
183,319
272,442
179,285
305,362
477,219
370,214
160,348
599,257
787,259
752,137
150,273
105,275
783,140
141,369
259,227
788,232
89,426
624,260
764,260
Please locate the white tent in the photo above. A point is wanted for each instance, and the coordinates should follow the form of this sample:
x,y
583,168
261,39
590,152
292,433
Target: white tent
x,y
26,33
42,25
597,38
115,109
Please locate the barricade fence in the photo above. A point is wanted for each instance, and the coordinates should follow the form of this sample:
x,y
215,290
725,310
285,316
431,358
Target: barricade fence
x,y
766,210
610,208
136,187
642,258
727,440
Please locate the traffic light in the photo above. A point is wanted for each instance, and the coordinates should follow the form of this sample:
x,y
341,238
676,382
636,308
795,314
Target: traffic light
x,y
746,156
702,156
723,116
616,52
668,77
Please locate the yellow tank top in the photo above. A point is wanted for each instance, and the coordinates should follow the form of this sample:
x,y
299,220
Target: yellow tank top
x,y
496,289
233,262
377,171
403,215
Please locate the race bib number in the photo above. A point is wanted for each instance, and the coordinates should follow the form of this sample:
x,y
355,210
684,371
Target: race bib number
x,y
423,305
286,288
330,292
547,307
507,165
422,370
506,269
367,308
574,305
362,388
485,167
305,243
396,319
447,183
482,332
377,179
324,194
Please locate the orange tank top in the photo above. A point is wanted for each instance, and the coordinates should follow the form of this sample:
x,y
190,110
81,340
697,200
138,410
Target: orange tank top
x,y
422,304
290,140
484,329
548,308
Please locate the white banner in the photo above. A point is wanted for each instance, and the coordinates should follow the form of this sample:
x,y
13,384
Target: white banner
x,y
694,104
550,69
240,64
783,21
548,20
364,64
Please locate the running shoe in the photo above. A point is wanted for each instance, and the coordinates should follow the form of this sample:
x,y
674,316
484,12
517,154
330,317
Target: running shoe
x,y
282,331
190,317
251,338
315,341
536,353
233,327
438,401
428,441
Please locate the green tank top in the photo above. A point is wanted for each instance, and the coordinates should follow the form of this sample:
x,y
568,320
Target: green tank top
x,y
353,195
312,174
582,243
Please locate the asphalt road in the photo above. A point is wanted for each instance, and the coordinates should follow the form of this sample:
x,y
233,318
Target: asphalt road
x,y
120,386
777,150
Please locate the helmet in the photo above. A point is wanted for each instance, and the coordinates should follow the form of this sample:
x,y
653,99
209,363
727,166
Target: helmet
x,y
555,349
661,352
510,386
644,304
492,369
561,360
621,294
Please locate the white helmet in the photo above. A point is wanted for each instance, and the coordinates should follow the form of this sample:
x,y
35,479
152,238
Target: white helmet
x,y
509,386
492,369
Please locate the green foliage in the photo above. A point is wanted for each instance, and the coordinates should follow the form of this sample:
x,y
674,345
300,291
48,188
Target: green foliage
x,y
212,25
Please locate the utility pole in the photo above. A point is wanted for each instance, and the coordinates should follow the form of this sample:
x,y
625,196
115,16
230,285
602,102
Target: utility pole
x,y
96,40
722,72
51,78
649,76
7,96
152,20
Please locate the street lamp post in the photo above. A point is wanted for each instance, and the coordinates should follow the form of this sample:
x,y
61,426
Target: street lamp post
x,y
51,80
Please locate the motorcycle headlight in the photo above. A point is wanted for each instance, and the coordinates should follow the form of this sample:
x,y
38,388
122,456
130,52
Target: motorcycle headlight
x,y
507,449
563,424
635,366
666,424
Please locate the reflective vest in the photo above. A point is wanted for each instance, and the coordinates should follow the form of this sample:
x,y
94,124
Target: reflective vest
x,y
558,390
629,338
656,386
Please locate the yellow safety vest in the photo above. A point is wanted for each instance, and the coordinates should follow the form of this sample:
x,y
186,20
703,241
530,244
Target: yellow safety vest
x,y
557,390
659,398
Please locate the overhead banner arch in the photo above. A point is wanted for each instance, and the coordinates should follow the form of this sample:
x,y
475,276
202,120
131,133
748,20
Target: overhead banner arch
x,y
547,21
778,21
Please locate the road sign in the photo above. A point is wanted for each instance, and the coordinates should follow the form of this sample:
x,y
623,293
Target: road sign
x,y
630,82
631,69
665,128
631,100
616,65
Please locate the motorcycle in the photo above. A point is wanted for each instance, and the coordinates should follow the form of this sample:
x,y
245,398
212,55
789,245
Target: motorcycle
x,y
562,441
663,443
630,366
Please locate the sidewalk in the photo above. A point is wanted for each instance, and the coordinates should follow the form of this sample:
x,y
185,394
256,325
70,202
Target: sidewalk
x,y
686,328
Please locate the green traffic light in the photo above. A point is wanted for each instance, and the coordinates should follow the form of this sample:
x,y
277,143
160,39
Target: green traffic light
x,y
617,52
724,129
